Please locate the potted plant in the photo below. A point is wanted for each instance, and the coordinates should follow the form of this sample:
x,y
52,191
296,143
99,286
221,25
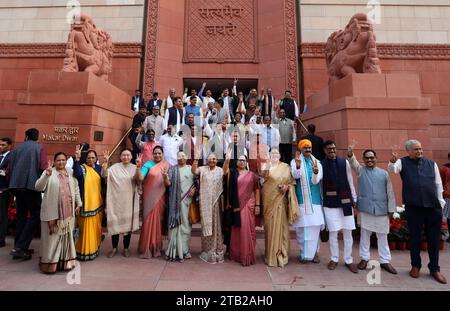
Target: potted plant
x,y
398,233
12,219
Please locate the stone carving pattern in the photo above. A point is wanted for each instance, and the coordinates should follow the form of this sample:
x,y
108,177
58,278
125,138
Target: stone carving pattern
x,y
57,50
150,48
389,51
234,46
353,49
88,48
291,47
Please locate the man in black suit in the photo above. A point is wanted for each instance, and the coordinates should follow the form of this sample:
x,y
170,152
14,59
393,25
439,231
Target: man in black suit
x,y
155,101
5,148
137,101
317,142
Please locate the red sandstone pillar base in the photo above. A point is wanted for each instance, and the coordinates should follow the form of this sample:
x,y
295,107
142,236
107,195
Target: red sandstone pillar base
x,y
70,108
376,111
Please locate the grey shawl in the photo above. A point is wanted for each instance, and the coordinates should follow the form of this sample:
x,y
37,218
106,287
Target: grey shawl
x,y
174,197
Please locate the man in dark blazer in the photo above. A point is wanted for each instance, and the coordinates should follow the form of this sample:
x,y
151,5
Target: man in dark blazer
x,y
137,101
5,148
155,101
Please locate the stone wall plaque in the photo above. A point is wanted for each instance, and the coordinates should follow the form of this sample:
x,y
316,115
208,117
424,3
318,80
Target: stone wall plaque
x,y
221,31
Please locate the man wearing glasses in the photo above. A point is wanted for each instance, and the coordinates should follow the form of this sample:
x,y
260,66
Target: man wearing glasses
x,y
376,205
339,198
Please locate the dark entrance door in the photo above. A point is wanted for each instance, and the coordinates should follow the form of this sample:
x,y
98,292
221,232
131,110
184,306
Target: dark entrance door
x,y
217,85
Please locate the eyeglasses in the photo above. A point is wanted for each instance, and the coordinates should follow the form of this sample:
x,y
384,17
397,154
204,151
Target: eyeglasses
x,y
369,158
242,160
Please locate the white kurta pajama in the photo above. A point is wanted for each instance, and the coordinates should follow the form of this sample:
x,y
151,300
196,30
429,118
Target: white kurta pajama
x,y
371,223
311,220
336,221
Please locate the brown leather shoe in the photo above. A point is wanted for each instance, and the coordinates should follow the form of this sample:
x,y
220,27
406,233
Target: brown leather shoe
x,y
415,272
352,267
362,264
439,277
332,265
316,258
388,267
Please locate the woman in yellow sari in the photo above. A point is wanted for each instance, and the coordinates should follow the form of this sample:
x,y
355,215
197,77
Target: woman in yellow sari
x,y
280,209
90,219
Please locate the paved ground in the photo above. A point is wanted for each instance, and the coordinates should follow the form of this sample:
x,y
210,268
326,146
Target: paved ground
x,y
120,273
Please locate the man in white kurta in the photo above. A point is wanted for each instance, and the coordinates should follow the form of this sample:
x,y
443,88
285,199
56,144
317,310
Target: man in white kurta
x,y
308,173
376,205
339,197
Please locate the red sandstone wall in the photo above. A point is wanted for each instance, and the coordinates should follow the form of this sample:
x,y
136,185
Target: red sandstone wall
x,y
271,70
434,81
14,73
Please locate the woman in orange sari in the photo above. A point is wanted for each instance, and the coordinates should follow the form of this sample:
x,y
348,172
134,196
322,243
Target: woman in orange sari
x,y
154,172
244,199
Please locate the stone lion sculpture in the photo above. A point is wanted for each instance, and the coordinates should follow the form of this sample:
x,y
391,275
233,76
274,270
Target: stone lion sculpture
x,y
352,50
88,48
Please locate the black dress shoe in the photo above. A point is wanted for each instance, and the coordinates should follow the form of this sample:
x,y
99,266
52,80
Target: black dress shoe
x,y
21,254
15,253
352,267
388,267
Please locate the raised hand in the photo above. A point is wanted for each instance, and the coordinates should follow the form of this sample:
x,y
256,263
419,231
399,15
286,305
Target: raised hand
x,y
298,160
235,81
350,151
204,85
78,152
185,90
198,153
139,160
315,167
228,155
48,170
164,172
394,157
262,91
106,156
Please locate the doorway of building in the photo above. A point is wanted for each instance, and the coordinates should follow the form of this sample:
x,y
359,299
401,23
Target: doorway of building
x,y
217,85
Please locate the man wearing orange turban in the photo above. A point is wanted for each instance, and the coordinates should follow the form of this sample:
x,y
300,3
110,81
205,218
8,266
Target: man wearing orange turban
x,y
308,173
304,143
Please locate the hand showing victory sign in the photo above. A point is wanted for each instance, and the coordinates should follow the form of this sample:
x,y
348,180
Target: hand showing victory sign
x,y
49,168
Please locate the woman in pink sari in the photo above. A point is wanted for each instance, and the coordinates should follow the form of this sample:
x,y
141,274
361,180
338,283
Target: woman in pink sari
x,y
244,199
147,147
154,172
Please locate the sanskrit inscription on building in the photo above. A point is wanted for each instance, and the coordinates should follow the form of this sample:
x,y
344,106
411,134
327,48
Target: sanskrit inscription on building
x,y
219,15
220,31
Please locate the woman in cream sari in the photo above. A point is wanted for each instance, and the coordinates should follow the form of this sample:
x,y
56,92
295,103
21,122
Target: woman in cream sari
x,y
211,205
60,204
122,199
280,209
150,240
